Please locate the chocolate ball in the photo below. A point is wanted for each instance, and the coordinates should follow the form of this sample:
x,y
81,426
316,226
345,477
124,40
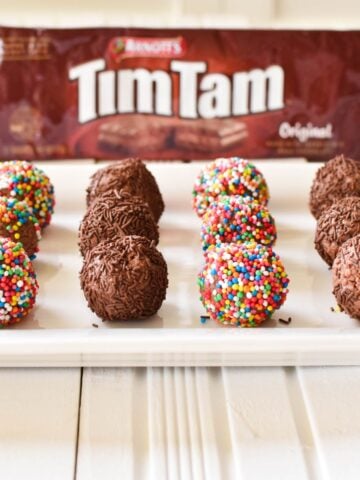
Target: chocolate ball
x,y
346,277
132,176
336,225
338,178
116,214
124,279
242,284
24,181
228,176
18,223
231,219
18,284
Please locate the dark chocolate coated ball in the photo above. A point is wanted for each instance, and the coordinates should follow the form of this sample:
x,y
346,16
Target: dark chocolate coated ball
x,y
125,279
335,226
116,214
346,277
132,176
338,178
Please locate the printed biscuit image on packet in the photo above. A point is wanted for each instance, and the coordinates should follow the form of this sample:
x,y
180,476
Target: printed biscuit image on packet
x,y
131,133
203,135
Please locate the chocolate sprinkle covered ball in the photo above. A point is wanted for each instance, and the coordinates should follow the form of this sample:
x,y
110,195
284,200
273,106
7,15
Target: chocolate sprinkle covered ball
x,y
346,277
116,214
18,223
336,225
338,178
228,176
229,220
132,176
242,285
24,181
125,279
18,284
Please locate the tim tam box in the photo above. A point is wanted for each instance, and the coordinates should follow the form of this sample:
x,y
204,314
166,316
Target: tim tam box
x,y
178,94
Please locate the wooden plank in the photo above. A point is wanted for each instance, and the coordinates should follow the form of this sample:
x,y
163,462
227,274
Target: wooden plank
x,y
113,424
38,423
158,421
332,399
194,423
263,425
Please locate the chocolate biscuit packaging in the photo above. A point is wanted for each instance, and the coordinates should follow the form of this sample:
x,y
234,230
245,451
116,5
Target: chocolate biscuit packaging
x,y
178,94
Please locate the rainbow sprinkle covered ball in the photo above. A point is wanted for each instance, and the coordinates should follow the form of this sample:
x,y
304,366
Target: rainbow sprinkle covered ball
x,y
24,181
18,284
228,176
18,223
231,220
242,285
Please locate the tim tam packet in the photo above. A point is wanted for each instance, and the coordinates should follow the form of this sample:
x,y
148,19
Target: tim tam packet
x,y
178,94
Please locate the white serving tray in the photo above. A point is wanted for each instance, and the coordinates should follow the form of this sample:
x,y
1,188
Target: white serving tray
x,y
60,331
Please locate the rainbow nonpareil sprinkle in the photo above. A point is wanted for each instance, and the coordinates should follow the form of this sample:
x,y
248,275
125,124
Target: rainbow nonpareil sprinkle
x,y
18,284
229,220
242,285
18,223
24,181
228,176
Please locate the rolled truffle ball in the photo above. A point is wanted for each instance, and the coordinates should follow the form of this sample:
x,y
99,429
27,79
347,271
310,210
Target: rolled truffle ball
x,y
335,226
116,214
338,178
18,223
228,176
242,285
18,284
24,181
129,175
231,220
125,279
346,277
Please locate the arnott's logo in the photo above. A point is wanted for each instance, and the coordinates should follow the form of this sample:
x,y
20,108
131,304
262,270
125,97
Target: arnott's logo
x,y
198,94
122,47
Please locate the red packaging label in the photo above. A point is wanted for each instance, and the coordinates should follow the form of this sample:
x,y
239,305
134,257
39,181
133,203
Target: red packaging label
x,y
178,94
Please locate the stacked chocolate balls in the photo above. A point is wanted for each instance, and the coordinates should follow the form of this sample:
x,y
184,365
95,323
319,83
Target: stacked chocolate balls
x,y
243,280
335,203
124,276
26,206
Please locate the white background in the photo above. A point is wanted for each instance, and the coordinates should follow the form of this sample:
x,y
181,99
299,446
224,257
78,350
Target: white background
x,y
234,13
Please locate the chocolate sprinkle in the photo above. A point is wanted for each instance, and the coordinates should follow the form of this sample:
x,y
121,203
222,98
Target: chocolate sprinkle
x,y
116,214
125,279
336,225
286,322
132,176
338,178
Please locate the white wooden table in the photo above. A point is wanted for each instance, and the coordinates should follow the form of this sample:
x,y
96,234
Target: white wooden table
x,y
180,423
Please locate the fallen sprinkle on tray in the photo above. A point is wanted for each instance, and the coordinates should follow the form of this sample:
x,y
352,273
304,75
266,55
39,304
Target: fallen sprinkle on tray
x,y
286,322
95,325
338,309
204,318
